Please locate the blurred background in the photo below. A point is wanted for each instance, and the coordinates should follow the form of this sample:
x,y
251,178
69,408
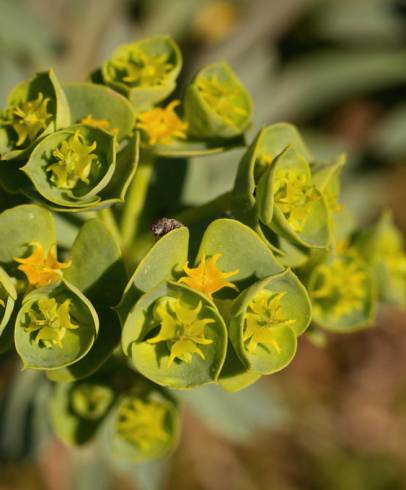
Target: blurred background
x,y
335,419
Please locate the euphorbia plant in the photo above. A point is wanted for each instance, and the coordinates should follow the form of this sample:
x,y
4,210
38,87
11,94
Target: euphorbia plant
x,y
117,322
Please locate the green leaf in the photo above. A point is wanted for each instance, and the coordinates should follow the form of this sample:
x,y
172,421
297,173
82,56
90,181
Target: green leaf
x,y
101,104
97,267
240,248
20,226
164,261
8,296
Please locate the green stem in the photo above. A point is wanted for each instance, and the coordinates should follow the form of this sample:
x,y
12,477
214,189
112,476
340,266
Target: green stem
x,y
106,215
218,205
135,202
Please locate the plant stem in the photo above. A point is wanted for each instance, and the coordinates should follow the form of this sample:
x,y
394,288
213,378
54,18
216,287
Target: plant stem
x,y
106,215
220,204
135,201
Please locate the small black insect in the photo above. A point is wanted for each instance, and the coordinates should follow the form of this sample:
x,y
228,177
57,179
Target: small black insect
x,y
162,226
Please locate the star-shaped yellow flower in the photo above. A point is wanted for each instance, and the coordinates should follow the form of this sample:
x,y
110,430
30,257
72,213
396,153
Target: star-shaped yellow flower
x,y
42,269
207,277
161,124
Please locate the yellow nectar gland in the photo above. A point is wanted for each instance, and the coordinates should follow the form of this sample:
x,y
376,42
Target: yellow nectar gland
x,y
207,277
294,196
141,70
42,269
142,423
263,314
50,320
74,162
181,328
339,287
161,124
222,97
29,118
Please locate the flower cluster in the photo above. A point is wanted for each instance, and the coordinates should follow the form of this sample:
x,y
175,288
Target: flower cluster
x,y
222,301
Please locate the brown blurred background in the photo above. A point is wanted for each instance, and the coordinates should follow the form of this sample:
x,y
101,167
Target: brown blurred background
x,y
335,419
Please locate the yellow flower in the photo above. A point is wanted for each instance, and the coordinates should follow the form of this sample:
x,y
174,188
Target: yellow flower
x,y
50,320
181,329
89,120
162,125
264,312
91,401
74,162
139,69
222,96
339,287
29,118
294,196
142,423
42,270
207,277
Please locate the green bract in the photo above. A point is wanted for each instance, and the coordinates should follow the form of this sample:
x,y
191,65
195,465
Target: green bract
x,y
78,409
265,320
383,247
55,327
144,425
216,104
342,291
78,168
144,71
35,107
175,337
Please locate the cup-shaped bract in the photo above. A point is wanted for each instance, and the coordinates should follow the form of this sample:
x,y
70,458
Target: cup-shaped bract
x,y
145,71
70,168
216,104
144,425
35,107
175,337
55,327
382,246
266,320
289,203
78,409
8,296
342,291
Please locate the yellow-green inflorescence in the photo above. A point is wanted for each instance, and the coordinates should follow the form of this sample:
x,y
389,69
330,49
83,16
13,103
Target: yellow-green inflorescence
x,y
222,97
91,401
294,195
264,313
182,328
49,320
338,288
142,423
73,161
139,69
28,119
